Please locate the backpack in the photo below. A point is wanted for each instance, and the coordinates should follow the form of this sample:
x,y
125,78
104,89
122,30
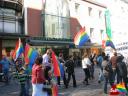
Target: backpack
x,y
108,68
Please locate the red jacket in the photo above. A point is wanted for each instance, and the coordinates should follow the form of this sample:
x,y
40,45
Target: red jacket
x,y
37,74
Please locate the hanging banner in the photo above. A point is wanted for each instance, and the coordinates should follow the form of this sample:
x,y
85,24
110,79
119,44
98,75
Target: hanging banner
x,y
108,24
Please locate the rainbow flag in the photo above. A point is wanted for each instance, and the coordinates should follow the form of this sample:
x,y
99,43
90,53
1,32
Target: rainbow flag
x,y
61,68
30,56
54,90
18,50
57,71
110,43
121,88
81,37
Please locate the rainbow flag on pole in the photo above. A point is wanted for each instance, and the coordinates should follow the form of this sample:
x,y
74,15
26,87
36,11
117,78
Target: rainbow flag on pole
x,y
30,56
108,30
55,65
110,43
81,37
18,50
54,90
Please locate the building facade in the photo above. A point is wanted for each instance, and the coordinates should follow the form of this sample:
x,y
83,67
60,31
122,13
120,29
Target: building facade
x,y
119,13
88,14
61,20
11,23
54,23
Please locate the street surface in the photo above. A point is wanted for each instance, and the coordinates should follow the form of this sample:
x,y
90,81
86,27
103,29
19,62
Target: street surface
x,y
94,89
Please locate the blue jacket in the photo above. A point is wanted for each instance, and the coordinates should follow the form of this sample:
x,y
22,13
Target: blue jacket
x,y
5,64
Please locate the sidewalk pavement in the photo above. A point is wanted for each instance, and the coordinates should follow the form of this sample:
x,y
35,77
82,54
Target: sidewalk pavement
x,y
94,89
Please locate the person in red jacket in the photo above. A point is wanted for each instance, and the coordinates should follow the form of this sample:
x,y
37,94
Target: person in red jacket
x,y
38,78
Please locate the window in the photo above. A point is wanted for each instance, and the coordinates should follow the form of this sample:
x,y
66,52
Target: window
x,y
91,32
100,13
89,11
53,29
76,6
102,34
10,21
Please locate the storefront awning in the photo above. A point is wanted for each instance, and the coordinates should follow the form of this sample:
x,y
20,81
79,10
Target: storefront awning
x,y
43,42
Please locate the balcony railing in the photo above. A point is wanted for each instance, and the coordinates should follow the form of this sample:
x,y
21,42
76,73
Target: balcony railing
x,y
12,4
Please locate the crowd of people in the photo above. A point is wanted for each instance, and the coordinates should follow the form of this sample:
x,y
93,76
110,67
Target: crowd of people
x,y
111,70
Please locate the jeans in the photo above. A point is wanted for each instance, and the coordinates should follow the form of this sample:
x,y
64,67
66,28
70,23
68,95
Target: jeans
x,y
114,74
105,83
101,77
27,87
92,71
23,90
6,75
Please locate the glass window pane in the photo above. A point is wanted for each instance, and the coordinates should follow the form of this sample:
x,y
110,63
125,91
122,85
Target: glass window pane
x,y
9,27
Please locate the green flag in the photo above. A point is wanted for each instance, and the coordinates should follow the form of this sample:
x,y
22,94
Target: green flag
x,y
108,24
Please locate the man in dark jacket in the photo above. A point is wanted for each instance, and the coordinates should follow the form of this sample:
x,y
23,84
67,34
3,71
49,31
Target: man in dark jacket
x,y
70,70
122,71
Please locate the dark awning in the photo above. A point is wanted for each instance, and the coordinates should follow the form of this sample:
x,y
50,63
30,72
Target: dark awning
x,y
7,36
42,41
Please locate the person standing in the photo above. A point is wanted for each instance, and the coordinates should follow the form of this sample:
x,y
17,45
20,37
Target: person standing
x,y
122,68
107,71
113,61
92,59
70,70
62,62
38,78
86,63
5,68
47,63
22,77
99,63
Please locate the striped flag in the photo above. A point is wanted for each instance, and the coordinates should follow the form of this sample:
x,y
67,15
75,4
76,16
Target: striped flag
x,y
55,65
55,90
18,49
30,56
81,37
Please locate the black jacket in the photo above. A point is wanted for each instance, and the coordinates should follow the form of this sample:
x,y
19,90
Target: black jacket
x,y
121,66
70,66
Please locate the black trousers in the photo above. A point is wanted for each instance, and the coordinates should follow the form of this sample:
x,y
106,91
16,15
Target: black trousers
x,y
47,69
73,77
64,80
87,74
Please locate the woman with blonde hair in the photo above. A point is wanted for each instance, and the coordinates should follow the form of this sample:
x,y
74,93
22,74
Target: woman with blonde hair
x,y
85,65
